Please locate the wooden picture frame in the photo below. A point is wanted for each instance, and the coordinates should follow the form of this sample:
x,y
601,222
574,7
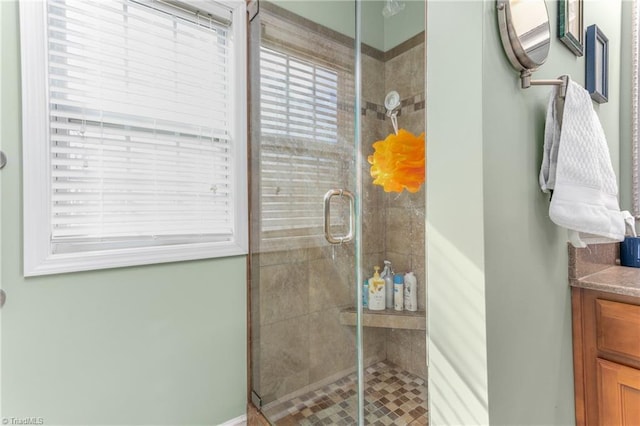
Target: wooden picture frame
x,y
597,64
570,25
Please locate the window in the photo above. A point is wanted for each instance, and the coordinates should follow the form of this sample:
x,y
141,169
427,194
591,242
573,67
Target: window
x,y
303,154
133,132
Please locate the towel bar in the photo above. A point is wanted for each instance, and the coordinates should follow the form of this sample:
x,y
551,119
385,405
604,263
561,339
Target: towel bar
x,y
562,81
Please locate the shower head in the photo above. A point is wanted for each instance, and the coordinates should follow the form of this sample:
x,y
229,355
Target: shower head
x,y
392,7
392,101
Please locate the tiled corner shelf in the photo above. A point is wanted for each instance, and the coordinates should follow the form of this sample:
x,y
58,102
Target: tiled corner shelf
x,y
388,318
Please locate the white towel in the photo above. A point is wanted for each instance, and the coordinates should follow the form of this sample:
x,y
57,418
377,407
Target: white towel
x,y
576,166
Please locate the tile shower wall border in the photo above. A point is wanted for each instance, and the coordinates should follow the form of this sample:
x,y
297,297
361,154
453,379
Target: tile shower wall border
x,y
407,105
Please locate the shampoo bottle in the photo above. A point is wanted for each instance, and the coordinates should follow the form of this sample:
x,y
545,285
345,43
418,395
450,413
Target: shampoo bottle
x,y
387,276
376,292
410,292
398,292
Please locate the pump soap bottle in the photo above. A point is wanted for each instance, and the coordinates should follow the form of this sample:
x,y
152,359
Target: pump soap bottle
x,y
387,275
376,291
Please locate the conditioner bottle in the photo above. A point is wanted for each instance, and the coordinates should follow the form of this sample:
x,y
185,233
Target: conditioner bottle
x,y
410,292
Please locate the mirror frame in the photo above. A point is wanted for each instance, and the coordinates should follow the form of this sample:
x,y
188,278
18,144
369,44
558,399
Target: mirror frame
x,y
575,42
510,40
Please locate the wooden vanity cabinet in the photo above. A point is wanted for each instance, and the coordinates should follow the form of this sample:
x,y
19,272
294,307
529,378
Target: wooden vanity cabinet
x,y
606,358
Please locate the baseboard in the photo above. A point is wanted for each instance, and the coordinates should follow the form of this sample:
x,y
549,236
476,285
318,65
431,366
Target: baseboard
x,y
240,420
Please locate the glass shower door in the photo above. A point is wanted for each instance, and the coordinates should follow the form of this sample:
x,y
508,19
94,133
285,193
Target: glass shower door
x,y
317,107
304,353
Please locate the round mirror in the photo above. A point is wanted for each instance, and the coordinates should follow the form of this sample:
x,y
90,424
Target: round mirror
x,y
525,32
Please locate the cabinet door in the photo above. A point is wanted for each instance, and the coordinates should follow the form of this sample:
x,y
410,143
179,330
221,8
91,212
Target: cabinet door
x,y
618,394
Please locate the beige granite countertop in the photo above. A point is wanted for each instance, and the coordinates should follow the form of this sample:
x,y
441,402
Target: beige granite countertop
x,y
597,268
614,279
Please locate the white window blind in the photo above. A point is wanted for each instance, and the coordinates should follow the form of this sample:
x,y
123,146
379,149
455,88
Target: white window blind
x,y
143,141
301,154
298,98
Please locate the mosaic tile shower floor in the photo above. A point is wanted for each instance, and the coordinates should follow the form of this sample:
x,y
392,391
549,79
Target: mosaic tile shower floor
x,y
392,397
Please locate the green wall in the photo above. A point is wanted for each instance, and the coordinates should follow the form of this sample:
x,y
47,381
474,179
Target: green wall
x,y
525,297
457,375
528,299
161,344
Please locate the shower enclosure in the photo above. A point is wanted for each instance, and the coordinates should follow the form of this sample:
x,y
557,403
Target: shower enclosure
x,y
319,74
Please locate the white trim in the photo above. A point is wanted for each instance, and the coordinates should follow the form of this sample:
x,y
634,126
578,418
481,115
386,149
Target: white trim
x,y
34,114
38,259
73,262
238,421
239,124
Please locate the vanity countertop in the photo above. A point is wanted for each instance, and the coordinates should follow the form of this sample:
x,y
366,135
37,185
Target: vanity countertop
x,y
614,279
597,268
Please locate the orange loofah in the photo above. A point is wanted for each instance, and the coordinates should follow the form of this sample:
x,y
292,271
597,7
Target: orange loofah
x,y
399,162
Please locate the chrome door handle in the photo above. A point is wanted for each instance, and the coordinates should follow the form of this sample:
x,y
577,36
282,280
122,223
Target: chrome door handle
x,y
3,297
327,216
3,160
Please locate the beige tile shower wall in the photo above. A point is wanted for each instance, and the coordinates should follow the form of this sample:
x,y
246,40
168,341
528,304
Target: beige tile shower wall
x,y
407,349
300,292
405,73
374,220
300,341
397,219
372,130
405,212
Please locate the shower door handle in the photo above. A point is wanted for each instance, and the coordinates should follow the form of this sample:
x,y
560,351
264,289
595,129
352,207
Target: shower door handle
x,y
327,215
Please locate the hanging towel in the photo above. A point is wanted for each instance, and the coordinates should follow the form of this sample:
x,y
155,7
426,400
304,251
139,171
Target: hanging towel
x,y
576,169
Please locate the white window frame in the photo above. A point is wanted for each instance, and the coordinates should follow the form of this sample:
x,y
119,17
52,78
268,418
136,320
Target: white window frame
x,y
38,256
